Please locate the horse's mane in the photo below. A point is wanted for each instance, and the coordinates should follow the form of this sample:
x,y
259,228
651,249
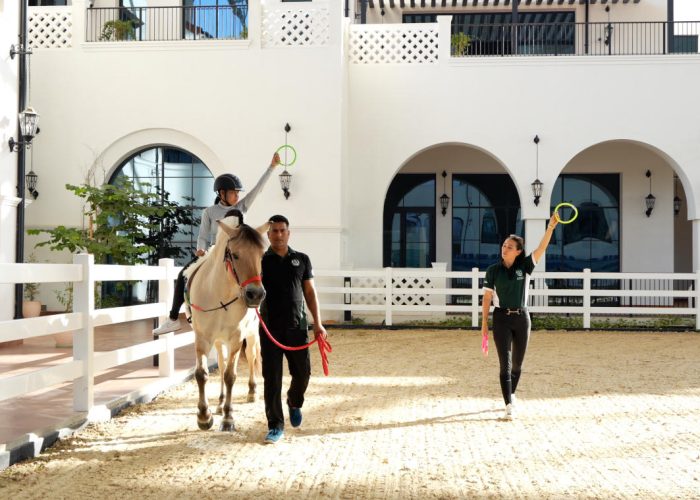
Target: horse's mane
x,y
246,233
251,235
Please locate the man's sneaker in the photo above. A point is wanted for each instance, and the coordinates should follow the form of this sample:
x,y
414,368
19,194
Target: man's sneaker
x,y
170,325
274,435
295,416
508,414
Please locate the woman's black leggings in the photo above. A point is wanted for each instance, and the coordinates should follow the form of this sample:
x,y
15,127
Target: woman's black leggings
x,y
510,334
179,293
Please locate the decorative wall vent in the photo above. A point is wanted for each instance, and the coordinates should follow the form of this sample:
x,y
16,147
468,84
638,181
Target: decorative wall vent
x,y
394,44
295,27
50,29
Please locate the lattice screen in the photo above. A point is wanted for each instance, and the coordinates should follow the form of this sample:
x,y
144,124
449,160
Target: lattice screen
x,y
50,29
401,300
295,27
403,44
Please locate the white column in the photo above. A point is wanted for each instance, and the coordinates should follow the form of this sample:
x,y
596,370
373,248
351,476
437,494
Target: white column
x,y
534,232
444,38
696,244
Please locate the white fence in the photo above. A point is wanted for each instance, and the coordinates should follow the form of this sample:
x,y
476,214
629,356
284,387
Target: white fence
x,y
386,292
396,291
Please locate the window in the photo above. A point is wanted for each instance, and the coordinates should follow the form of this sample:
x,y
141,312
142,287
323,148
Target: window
x,y
187,180
409,221
485,210
215,19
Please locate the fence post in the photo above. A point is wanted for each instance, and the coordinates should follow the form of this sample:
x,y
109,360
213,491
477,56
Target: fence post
x,y
586,298
84,339
166,288
475,297
696,297
388,296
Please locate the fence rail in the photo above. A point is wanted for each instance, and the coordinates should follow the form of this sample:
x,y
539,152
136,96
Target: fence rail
x,y
123,24
386,292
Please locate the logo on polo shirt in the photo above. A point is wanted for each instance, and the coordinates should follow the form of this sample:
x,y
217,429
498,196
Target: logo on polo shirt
x,y
295,262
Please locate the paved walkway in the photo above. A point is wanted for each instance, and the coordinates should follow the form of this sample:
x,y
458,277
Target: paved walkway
x,y
32,422
414,414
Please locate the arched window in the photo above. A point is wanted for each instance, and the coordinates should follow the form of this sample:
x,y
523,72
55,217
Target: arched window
x,y
409,221
183,176
593,240
485,210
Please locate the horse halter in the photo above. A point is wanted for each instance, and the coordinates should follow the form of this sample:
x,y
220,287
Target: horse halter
x,y
228,261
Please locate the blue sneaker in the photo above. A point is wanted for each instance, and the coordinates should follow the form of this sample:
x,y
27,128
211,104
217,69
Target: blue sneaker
x,y
294,416
274,435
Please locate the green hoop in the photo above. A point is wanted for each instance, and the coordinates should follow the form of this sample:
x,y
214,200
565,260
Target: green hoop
x,y
294,151
556,212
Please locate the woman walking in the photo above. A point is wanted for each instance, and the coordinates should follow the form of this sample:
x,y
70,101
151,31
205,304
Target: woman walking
x,y
506,285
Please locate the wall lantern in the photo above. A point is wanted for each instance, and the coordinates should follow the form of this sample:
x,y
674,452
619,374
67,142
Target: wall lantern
x,y
444,199
28,126
286,177
650,200
677,202
537,183
31,179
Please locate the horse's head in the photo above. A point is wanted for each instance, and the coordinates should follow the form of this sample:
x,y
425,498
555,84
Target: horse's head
x,y
243,257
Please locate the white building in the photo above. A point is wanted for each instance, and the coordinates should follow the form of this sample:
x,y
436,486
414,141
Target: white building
x,y
378,112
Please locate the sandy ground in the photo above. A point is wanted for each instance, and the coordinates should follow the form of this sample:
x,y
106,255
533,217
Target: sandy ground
x,y
414,414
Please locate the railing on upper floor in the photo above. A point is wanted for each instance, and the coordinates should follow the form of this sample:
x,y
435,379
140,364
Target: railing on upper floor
x,y
580,39
152,24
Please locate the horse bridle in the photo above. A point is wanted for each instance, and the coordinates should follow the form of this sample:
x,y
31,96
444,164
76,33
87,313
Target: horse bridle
x,y
228,262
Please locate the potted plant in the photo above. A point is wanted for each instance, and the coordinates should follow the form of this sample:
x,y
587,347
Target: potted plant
x,y
118,30
31,306
460,44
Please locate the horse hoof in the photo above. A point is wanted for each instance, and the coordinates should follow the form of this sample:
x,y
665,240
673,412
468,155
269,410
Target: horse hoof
x,y
219,410
250,398
227,426
205,426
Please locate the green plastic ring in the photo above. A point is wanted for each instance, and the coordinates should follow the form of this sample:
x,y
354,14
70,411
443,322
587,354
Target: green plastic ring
x,y
293,151
556,212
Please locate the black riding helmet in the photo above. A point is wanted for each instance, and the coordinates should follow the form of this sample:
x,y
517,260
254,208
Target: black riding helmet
x,y
228,182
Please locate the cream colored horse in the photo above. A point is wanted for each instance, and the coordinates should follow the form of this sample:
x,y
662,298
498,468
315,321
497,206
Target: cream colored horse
x,y
223,287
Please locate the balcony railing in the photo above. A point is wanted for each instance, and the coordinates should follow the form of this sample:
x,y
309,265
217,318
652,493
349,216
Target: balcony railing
x,y
597,39
153,24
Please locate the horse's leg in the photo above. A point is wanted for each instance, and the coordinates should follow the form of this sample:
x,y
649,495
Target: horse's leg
x,y
229,378
204,417
221,361
252,354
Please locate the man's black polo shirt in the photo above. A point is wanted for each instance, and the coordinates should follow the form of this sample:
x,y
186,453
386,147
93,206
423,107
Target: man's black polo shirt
x,y
283,279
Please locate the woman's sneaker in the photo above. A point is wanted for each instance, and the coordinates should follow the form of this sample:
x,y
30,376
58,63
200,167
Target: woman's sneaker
x,y
170,325
508,414
274,435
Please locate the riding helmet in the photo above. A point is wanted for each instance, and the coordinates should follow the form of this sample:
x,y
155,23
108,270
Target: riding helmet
x,y
228,182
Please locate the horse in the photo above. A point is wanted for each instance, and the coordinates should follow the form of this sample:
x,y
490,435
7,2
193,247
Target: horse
x,y
223,288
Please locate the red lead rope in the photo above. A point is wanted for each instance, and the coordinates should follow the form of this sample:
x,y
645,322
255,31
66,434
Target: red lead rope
x,y
323,346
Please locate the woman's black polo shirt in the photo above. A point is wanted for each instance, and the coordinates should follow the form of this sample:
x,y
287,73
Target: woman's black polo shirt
x,y
283,279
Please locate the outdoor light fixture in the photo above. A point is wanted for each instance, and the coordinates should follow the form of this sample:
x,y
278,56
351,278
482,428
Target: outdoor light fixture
x,y
28,127
31,179
650,200
537,183
19,50
285,182
677,202
444,199
286,177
